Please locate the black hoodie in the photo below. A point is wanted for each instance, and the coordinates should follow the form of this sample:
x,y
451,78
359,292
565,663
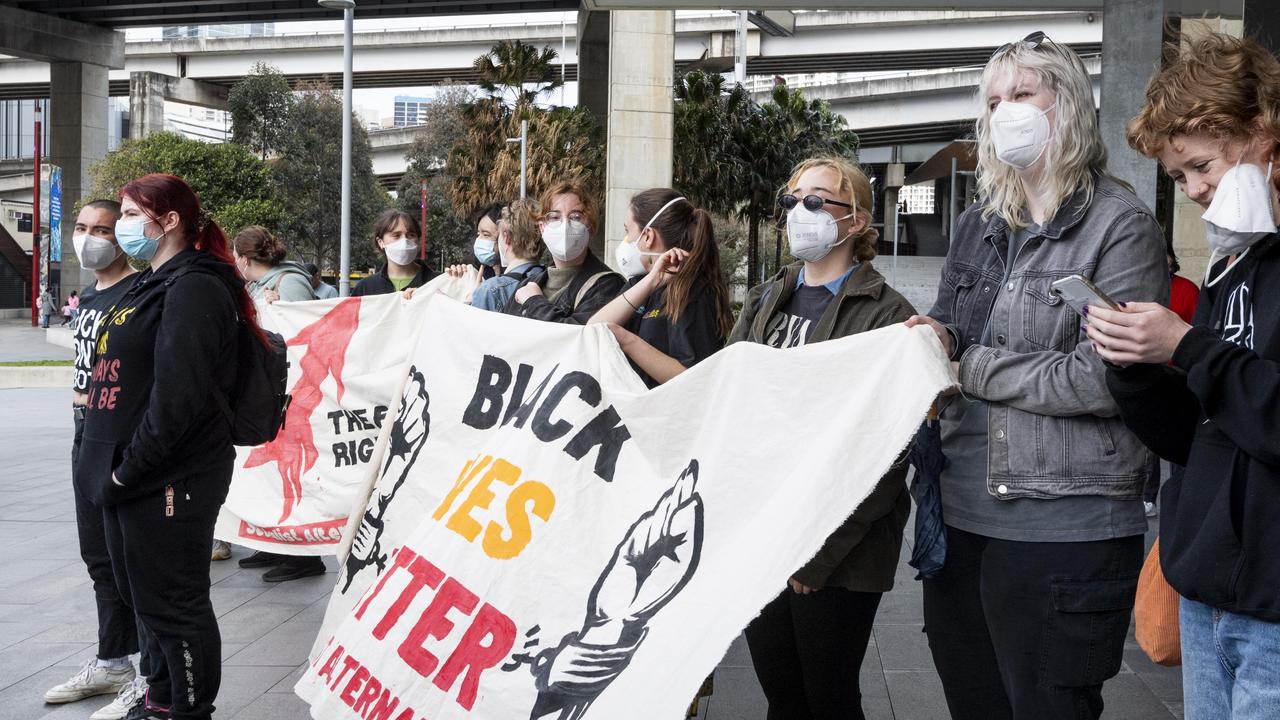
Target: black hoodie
x,y
1217,411
163,351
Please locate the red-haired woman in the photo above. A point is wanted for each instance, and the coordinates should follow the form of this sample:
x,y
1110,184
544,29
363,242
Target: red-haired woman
x,y
157,452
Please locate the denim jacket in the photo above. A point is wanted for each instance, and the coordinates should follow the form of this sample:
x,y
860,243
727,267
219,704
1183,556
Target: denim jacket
x,y
1053,429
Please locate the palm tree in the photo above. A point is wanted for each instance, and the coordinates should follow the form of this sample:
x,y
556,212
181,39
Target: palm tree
x,y
516,71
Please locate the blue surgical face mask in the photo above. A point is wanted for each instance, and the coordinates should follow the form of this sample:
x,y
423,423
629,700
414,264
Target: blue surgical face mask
x,y
486,250
133,241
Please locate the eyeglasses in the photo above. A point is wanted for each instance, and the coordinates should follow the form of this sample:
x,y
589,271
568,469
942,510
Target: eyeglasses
x,y
813,203
1032,41
556,216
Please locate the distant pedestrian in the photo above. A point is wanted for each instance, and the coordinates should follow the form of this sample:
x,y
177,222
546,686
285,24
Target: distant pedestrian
x,y
47,305
323,290
69,310
260,258
397,236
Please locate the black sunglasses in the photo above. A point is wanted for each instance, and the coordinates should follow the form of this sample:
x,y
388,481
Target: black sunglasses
x,y
811,202
1032,41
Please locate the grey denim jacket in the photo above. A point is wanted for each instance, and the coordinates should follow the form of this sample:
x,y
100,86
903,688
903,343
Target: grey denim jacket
x,y
1053,428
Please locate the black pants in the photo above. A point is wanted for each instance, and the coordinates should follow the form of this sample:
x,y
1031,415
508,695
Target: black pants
x,y
807,651
118,631
162,567
1029,630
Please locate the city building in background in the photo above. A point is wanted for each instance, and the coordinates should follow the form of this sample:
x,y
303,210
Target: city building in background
x,y
410,110
186,32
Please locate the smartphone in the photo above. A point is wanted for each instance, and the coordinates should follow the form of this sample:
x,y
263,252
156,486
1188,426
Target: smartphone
x,y
1077,292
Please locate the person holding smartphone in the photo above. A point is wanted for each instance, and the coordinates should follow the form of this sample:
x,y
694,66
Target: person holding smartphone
x,y
1042,500
1206,394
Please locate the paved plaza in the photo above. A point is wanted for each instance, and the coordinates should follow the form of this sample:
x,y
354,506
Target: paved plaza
x,y
48,622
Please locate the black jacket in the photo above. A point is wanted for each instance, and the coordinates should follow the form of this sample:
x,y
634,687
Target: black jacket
x,y
1217,411
163,352
379,284
565,308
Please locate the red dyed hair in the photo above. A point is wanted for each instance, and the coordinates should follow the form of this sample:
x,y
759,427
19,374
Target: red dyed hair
x,y
160,194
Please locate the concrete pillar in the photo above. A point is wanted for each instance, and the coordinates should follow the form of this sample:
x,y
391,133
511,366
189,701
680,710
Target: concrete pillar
x,y
641,111
593,78
77,138
1132,33
1262,23
146,103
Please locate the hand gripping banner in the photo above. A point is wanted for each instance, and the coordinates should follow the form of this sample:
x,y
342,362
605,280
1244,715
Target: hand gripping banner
x,y
544,539
293,495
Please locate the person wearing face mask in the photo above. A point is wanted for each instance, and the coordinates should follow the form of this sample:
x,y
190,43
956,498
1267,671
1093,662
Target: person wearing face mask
x,y
520,248
260,258
1206,394
580,283
118,631
156,451
1042,499
674,311
808,643
485,246
396,234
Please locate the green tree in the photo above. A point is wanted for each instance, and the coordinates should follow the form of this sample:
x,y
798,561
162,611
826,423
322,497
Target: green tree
x,y
449,235
260,104
233,183
564,143
733,155
308,175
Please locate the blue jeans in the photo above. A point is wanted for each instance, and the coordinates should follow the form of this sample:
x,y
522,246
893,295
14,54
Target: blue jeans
x,y
1230,664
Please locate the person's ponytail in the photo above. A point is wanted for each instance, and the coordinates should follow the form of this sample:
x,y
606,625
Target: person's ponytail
x,y
703,264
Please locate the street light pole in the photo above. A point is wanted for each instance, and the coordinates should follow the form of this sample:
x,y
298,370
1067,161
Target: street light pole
x,y
348,8
524,156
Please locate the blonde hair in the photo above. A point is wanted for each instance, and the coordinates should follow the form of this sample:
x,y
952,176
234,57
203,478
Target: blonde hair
x,y
1225,87
855,185
1075,151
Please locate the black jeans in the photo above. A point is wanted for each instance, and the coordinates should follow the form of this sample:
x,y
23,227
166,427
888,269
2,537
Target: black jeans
x,y
162,567
1029,630
807,651
118,631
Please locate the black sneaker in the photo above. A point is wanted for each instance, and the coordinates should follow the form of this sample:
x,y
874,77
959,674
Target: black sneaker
x,y
146,710
262,559
295,568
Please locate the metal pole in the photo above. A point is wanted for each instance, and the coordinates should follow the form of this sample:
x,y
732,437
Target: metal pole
x,y
344,252
524,158
563,48
35,225
951,206
740,50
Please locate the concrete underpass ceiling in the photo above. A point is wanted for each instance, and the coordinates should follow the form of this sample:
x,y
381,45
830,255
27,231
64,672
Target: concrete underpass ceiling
x,y
1224,8
141,13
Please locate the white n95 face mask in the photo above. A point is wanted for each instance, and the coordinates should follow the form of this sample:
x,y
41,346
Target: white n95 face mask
x,y
812,234
402,251
566,239
1020,132
1240,213
94,253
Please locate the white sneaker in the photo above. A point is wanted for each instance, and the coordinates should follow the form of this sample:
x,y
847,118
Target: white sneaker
x,y
1150,507
91,680
221,550
128,696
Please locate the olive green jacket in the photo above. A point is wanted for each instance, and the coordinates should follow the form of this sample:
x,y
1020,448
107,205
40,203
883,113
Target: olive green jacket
x,y
863,553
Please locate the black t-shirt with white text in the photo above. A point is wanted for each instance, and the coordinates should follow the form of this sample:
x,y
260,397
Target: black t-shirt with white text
x,y
691,339
793,324
94,306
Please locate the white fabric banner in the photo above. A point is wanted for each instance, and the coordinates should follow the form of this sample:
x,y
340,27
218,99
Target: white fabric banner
x,y
346,360
546,539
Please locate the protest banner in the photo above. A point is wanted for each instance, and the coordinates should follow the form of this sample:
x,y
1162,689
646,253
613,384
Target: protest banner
x,y
293,495
544,538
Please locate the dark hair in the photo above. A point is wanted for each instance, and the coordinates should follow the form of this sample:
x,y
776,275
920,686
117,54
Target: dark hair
x,y
311,268
388,219
160,194
1174,267
110,206
259,245
493,211
684,226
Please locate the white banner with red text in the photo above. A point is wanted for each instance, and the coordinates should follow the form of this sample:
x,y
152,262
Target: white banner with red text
x,y
544,538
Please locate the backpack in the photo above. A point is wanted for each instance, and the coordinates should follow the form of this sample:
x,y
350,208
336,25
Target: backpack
x,y
260,396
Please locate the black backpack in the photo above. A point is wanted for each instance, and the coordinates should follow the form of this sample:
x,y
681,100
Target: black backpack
x,y
260,396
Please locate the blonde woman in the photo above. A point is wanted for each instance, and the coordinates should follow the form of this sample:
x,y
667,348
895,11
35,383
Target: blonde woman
x,y
1042,500
808,643
1207,394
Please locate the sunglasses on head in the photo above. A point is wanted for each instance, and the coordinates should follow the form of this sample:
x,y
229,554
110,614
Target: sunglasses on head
x,y
812,203
1032,41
